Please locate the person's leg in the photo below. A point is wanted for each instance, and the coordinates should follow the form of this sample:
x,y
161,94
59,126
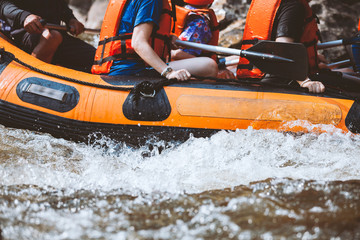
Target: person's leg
x,y
47,46
75,54
199,66
26,41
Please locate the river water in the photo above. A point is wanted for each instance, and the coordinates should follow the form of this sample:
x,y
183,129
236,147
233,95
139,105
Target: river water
x,y
248,184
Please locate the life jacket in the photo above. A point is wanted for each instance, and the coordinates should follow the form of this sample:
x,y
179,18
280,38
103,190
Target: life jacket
x,y
259,26
359,25
113,46
183,13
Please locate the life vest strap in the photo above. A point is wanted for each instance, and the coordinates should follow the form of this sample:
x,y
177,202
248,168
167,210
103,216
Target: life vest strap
x,y
215,28
167,11
312,17
309,44
246,66
124,55
249,41
115,38
117,57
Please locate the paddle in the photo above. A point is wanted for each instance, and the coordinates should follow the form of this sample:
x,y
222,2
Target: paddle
x,y
66,28
336,43
288,60
57,27
349,76
339,64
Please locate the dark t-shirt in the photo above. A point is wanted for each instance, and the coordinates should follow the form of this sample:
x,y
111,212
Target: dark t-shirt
x,y
14,12
72,52
289,20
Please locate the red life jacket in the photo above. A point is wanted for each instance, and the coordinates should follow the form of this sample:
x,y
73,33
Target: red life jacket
x,y
183,13
359,26
259,26
113,46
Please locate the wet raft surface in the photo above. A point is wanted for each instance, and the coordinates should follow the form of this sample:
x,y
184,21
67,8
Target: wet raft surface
x,y
237,185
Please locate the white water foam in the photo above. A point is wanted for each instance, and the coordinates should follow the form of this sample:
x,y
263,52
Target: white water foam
x,y
226,159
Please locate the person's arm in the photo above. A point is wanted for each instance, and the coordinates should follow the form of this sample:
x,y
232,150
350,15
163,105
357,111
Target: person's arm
x,y
65,12
68,17
179,54
76,27
12,14
140,43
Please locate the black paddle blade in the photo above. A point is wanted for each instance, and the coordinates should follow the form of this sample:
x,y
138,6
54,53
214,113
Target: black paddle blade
x,y
297,69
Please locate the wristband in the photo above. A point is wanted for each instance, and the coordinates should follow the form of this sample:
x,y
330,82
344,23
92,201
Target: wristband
x,y
166,71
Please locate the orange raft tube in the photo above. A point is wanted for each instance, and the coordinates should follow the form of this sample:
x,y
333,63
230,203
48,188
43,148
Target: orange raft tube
x,y
73,105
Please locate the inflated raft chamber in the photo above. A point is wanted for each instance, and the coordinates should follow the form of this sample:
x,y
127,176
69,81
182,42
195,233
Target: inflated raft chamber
x,y
76,105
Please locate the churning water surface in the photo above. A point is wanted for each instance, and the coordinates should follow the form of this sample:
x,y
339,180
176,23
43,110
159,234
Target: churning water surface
x,y
248,184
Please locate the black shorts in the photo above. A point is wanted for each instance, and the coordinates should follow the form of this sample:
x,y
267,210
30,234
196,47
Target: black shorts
x,y
72,53
289,20
26,41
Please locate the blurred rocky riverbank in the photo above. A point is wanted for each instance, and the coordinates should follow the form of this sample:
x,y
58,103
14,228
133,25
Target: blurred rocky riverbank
x,y
338,19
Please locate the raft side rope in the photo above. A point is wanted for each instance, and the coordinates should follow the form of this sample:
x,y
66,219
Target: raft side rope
x,y
142,88
3,53
149,89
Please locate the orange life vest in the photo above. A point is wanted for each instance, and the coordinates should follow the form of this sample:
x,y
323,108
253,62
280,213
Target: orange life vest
x,y
259,26
359,25
183,13
113,46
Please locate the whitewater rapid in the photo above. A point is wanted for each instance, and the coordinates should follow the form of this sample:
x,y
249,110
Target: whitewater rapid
x,y
224,160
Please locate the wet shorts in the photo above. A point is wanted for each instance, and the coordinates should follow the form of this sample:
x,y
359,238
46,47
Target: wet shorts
x,y
72,53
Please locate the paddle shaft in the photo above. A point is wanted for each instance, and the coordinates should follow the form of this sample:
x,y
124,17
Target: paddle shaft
x,y
65,28
222,50
204,47
232,51
287,60
336,43
261,55
351,77
339,64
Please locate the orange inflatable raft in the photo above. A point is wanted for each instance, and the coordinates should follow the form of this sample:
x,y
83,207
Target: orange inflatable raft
x,y
75,105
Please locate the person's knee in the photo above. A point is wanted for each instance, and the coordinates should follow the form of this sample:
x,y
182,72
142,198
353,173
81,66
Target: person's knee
x,y
52,38
55,37
211,67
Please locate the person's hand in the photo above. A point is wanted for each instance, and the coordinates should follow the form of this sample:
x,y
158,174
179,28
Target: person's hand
x,y
32,24
173,45
76,27
225,74
181,75
322,62
313,86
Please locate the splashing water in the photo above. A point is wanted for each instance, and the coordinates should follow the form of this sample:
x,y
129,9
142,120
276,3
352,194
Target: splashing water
x,y
243,184
226,159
